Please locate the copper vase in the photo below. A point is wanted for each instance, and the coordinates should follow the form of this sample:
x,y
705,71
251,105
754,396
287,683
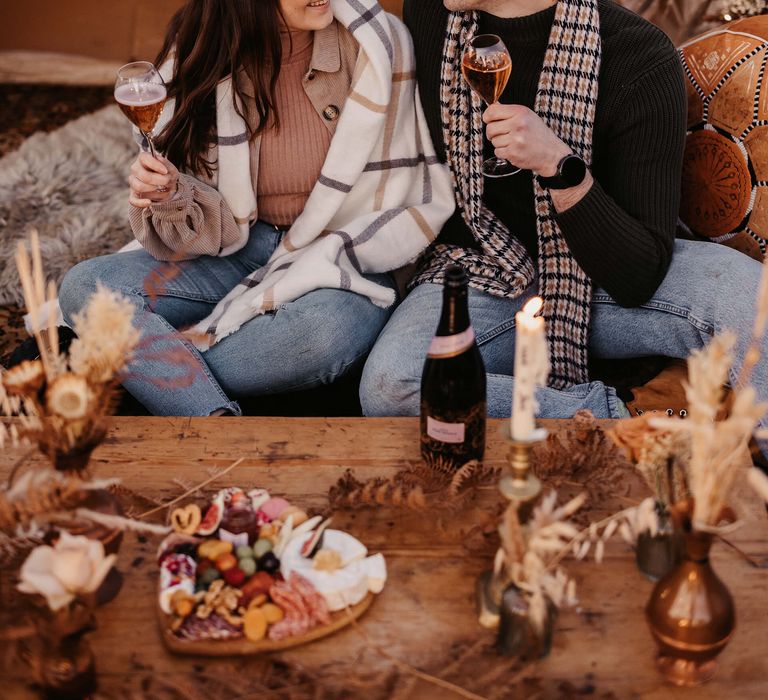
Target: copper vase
x,y
690,612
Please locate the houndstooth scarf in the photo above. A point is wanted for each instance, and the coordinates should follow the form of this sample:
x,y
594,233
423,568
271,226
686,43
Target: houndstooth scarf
x,y
566,100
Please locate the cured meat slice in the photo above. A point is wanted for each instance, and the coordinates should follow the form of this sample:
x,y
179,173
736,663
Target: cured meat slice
x,y
314,601
297,618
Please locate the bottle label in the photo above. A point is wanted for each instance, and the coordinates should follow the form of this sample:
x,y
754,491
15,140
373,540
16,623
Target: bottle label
x,y
445,432
451,345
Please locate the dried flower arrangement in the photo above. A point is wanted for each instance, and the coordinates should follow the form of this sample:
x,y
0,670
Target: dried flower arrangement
x,y
60,584
530,555
718,447
702,458
60,402
660,456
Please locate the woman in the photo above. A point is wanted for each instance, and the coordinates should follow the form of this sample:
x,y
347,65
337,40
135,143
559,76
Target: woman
x,y
297,174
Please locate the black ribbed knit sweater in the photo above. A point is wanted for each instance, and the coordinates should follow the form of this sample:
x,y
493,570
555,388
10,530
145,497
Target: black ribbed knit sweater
x,y
622,232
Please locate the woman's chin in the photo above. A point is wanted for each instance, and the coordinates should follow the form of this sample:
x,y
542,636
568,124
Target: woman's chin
x,y
318,23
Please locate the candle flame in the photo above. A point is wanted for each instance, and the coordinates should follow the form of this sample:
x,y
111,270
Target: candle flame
x,y
533,307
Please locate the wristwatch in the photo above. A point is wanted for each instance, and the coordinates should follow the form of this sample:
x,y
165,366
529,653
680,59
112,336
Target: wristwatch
x,y
571,171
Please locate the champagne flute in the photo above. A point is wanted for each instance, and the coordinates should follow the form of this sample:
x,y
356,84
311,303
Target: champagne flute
x,y
140,92
486,65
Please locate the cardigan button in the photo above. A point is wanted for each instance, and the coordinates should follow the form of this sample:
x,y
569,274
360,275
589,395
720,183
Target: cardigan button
x,y
310,75
331,113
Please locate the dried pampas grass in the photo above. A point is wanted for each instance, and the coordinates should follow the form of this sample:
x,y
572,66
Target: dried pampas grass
x,y
106,337
718,448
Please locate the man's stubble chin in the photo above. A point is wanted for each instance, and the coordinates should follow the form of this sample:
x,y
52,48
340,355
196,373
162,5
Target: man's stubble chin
x,y
461,5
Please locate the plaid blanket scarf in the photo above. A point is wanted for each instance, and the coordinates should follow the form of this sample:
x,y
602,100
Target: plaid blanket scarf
x,y
381,199
566,100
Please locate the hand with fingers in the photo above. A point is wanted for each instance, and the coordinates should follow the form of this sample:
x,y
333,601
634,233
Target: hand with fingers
x,y
520,136
152,180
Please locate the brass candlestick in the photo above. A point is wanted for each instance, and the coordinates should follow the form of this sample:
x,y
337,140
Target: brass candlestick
x,y
521,484
524,488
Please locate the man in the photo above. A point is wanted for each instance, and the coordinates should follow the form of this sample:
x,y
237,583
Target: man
x,y
594,114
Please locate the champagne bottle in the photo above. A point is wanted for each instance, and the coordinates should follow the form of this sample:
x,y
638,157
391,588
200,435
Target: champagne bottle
x,y
453,400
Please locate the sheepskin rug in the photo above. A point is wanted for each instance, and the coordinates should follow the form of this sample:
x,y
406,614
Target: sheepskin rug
x,y
70,185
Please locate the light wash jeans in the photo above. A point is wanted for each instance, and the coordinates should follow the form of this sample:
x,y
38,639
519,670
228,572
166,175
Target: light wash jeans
x,y
305,343
708,289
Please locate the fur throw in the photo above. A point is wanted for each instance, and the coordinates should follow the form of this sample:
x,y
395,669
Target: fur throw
x,y
71,185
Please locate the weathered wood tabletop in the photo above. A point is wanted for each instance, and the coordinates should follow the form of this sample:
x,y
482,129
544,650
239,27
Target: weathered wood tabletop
x,y
425,616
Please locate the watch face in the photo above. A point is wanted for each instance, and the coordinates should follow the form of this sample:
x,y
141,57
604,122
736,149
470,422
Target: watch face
x,y
572,170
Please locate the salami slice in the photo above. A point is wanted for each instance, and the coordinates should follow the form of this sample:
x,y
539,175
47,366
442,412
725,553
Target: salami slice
x,y
297,619
314,601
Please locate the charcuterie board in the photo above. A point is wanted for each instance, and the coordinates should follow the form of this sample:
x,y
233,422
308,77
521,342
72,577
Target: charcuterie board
x,y
249,573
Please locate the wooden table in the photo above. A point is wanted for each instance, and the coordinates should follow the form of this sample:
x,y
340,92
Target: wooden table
x,y
425,616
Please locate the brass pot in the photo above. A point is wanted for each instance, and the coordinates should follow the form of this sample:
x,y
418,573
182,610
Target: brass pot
x,y
690,612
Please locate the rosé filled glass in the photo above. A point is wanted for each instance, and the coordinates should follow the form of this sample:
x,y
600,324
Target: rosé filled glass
x,y
486,66
140,92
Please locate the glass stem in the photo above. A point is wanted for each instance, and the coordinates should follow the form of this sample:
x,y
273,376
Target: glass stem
x,y
151,143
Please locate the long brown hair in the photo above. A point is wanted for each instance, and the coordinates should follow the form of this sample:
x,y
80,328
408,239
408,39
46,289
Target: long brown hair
x,y
210,40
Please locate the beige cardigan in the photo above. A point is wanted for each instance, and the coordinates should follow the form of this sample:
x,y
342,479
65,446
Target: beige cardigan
x,y
197,221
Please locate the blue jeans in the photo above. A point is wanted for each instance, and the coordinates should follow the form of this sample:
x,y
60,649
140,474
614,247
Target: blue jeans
x,y
709,288
305,343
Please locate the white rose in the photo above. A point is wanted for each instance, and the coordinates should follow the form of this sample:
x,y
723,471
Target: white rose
x,y
75,565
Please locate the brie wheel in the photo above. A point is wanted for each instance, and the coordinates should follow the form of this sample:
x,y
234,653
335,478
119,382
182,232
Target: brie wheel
x,y
345,586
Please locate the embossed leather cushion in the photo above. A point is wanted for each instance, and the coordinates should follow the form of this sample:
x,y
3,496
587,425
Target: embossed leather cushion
x,y
725,171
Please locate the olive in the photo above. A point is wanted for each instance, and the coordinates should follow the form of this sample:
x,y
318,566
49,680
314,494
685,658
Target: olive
x,y
244,551
209,576
261,548
269,563
188,548
247,565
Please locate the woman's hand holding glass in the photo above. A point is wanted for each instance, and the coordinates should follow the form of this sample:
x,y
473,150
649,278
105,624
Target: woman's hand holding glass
x,y
153,180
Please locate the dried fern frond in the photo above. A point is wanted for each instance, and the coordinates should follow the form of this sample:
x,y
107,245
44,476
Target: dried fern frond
x,y
416,487
348,492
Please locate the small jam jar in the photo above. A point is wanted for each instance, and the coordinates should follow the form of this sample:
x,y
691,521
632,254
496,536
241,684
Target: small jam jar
x,y
240,522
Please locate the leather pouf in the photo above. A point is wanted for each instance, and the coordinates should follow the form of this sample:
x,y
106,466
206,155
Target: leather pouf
x,y
725,171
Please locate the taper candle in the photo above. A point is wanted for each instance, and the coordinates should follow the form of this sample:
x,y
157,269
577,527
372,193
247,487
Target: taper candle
x,y
531,368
